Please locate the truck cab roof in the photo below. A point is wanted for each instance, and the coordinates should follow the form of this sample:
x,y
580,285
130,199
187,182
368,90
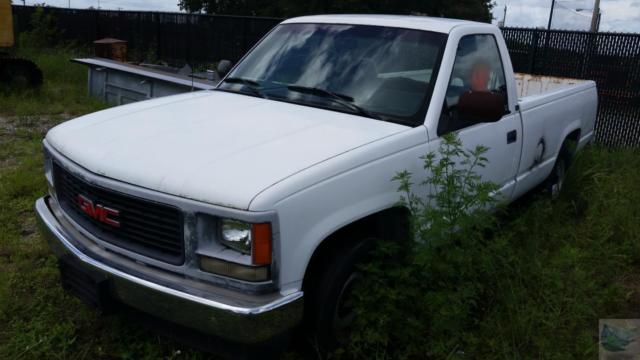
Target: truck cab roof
x,y
435,24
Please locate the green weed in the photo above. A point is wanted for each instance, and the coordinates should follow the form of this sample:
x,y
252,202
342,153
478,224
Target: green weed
x,y
533,285
64,91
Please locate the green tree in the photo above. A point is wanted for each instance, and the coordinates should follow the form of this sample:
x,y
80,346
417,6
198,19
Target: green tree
x,y
479,10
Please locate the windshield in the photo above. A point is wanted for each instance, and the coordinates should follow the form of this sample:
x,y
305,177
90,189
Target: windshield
x,y
379,72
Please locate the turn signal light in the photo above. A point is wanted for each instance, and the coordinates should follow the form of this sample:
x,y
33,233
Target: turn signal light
x,y
261,252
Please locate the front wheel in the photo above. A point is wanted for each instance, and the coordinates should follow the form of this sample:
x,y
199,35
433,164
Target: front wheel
x,y
329,310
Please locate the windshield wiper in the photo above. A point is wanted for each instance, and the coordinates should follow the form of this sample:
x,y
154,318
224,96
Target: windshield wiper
x,y
344,100
252,85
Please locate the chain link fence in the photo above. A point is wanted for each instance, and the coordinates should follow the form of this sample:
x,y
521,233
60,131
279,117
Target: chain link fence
x,y
611,59
174,38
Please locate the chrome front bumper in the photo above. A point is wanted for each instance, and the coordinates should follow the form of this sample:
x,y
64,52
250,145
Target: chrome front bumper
x,y
224,313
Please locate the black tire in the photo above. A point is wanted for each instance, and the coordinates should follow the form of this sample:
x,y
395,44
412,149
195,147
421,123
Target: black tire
x,y
18,74
327,308
555,182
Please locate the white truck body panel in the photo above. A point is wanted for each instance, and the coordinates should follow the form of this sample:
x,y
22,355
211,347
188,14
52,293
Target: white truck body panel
x,y
214,147
552,109
551,115
320,170
441,25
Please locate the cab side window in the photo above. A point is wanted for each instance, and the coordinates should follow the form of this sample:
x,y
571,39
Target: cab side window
x,y
477,69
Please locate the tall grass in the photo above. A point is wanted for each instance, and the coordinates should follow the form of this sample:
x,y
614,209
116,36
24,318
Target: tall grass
x,y
64,91
543,277
572,263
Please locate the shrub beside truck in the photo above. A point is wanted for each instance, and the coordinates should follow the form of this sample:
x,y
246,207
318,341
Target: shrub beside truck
x,y
242,211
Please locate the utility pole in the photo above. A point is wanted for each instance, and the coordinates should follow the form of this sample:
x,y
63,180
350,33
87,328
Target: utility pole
x,y
595,18
553,5
504,18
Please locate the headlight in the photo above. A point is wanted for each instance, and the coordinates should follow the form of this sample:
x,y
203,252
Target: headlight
x,y
236,235
253,242
249,239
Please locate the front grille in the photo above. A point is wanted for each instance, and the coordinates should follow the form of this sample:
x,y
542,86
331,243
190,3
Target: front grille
x,y
146,227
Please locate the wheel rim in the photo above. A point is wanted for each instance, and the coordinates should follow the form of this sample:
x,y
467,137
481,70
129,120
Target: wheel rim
x,y
344,313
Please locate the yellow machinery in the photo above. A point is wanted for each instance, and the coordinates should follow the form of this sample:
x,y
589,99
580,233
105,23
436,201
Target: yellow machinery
x,y
14,72
6,24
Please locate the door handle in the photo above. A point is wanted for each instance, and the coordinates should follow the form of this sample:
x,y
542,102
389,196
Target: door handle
x,y
512,136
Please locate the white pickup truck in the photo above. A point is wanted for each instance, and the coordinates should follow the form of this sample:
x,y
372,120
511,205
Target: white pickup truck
x,y
241,211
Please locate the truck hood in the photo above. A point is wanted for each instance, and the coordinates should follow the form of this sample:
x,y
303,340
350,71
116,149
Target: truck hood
x,y
215,147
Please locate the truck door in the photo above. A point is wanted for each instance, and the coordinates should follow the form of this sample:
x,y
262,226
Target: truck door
x,y
478,68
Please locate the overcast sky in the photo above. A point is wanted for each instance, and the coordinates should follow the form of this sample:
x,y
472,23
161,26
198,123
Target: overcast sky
x,y
617,15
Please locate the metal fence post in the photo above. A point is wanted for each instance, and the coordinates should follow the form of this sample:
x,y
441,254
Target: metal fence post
x,y
97,21
533,52
156,18
140,42
188,40
244,36
590,50
545,50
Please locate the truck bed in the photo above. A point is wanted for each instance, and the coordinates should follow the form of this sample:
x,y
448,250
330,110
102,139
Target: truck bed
x,y
534,90
548,104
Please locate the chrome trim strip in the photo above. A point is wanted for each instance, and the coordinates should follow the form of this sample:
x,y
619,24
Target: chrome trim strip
x,y
55,227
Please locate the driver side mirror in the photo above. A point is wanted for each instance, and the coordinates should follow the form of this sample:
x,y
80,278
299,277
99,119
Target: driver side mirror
x,y
480,106
223,67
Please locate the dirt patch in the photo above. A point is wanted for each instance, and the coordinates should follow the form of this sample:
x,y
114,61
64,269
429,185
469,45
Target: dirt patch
x,y
34,124
16,129
6,129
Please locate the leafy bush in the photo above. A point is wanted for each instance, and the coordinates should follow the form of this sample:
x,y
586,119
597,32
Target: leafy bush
x,y
531,282
44,31
427,298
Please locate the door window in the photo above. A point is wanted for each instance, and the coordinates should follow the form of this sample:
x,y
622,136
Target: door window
x,y
477,69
